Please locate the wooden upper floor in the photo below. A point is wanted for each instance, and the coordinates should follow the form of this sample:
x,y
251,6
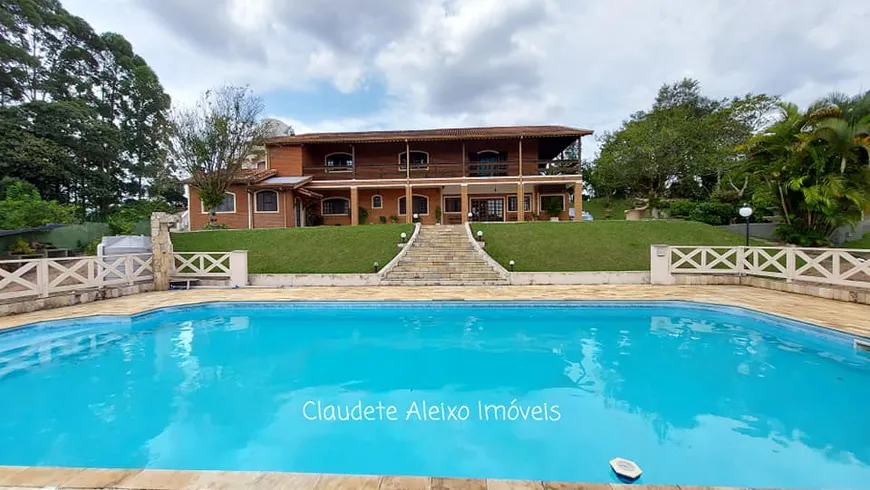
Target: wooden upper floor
x,y
441,153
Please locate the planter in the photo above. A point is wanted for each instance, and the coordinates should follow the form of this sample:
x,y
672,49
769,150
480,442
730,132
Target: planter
x,y
554,219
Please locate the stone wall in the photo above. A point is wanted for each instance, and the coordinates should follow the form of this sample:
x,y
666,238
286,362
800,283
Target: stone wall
x,y
817,290
75,298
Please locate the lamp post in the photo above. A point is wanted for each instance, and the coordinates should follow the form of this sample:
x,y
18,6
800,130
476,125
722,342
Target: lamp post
x,y
404,236
470,216
746,212
479,236
416,217
512,264
376,265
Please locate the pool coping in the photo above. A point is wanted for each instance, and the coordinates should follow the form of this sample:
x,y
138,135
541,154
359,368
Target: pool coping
x,y
18,477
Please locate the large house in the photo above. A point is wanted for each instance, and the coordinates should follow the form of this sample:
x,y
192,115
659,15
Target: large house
x,y
481,174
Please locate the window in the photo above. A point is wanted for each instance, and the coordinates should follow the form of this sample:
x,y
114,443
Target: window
x,y
261,165
512,203
339,162
488,156
227,206
556,200
377,201
452,204
336,206
266,202
419,159
420,205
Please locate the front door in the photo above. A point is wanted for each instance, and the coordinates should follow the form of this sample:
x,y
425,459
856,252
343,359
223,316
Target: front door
x,y
489,209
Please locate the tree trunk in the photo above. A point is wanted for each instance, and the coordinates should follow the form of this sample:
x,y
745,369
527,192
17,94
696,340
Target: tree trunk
x,y
212,217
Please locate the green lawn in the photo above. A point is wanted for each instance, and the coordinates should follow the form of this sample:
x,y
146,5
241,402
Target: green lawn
x,y
598,208
323,249
593,246
863,242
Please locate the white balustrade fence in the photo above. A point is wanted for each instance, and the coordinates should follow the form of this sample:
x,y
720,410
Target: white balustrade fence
x,y
43,277
201,264
841,267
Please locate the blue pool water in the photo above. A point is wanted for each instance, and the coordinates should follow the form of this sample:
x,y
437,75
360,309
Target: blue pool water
x,y
694,394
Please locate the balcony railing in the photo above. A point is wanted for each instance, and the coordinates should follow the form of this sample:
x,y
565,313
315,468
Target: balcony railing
x,y
444,169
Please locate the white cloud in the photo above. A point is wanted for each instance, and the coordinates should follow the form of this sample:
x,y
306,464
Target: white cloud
x,y
463,62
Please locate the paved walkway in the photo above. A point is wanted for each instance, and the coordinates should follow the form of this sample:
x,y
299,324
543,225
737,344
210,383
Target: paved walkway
x,y
852,318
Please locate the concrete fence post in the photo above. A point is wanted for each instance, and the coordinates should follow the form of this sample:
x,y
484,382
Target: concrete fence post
x,y
660,265
239,268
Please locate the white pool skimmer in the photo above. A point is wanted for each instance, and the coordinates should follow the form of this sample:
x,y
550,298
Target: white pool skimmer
x,y
625,468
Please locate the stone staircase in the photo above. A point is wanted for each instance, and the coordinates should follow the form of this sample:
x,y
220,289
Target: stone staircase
x,y
443,256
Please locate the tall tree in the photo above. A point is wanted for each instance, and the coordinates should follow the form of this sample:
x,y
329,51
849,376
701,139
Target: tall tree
x,y
212,139
84,118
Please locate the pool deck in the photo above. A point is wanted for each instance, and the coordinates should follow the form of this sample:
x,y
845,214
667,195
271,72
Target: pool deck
x,y
19,478
851,318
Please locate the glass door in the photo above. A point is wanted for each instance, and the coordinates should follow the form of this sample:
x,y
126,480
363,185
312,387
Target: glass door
x,y
489,209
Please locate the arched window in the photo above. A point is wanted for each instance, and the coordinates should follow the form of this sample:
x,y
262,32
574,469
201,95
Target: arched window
x,y
420,205
488,156
377,201
227,206
419,160
339,162
336,206
266,202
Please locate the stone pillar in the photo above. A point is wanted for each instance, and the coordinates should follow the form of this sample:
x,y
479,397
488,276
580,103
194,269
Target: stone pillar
x,y
409,204
238,268
578,201
161,249
521,199
660,265
354,206
464,205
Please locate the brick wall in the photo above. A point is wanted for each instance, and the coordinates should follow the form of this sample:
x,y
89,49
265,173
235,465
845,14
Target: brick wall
x,y
287,160
237,220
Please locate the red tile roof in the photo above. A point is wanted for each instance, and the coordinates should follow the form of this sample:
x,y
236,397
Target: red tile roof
x,y
434,135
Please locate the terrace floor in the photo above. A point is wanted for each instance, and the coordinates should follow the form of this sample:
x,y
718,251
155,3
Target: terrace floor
x,y
847,317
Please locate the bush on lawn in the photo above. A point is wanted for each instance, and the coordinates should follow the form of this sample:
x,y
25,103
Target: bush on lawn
x,y
682,209
714,213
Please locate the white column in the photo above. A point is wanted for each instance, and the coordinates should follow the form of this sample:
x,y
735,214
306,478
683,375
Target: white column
x,y
239,268
660,265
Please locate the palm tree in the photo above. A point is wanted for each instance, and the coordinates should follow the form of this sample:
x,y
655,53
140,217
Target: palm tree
x,y
846,128
804,159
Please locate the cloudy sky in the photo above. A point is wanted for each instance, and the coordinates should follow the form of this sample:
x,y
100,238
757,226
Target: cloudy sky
x,y
396,64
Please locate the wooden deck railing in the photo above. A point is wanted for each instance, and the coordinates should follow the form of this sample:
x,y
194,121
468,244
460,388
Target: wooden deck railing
x,y
444,169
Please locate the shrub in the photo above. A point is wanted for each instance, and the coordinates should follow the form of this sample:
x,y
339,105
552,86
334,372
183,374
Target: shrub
x,y
682,209
363,215
91,248
798,233
215,226
382,220
714,213
394,218
20,246
437,214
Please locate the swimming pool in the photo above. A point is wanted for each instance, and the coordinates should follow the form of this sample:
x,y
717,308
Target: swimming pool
x,y
694,394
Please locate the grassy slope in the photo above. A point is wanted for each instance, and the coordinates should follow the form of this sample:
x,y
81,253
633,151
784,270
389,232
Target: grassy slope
x,y
324,249
596,246
597,209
